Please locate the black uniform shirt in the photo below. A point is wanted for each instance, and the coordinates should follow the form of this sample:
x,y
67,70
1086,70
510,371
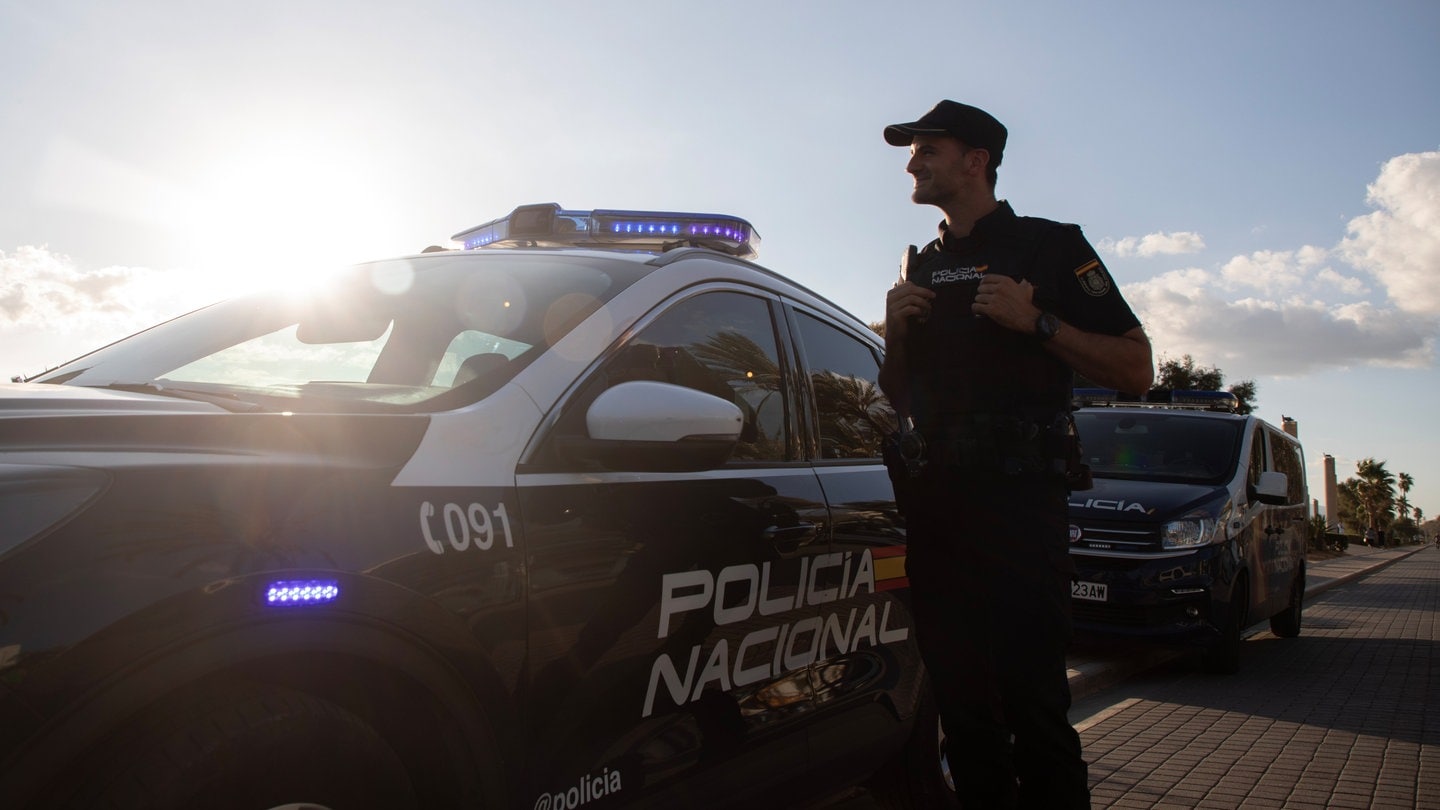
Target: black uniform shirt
x,y
964,363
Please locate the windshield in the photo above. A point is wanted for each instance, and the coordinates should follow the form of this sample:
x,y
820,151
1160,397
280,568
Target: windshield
x,y
1159,445
425,333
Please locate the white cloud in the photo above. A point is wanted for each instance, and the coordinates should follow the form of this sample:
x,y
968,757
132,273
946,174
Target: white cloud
x,y
1400,242
1185,312
78,309
40,288
1154,244
1349,285
1264,313
1272,271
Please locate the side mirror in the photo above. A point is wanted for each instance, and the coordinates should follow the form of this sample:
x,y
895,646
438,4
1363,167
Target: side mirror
x,y
1273,489
644,426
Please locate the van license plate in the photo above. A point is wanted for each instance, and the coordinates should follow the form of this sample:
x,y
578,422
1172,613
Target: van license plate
x,y
1090,591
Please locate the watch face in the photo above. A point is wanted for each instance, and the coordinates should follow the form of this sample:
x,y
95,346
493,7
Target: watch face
x,y
1046,326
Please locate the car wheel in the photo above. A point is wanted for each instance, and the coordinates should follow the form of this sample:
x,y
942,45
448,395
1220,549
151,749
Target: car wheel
x,y
919,778
1223,657
1286,623
249,747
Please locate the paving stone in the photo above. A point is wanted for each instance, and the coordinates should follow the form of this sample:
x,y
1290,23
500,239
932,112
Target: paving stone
x,y
1342,717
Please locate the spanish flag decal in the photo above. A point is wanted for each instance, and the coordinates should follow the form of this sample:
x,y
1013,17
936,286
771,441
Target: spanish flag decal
x,y
890,568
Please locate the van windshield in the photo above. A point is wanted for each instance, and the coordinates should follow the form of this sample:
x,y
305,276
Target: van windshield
x,y
1159,445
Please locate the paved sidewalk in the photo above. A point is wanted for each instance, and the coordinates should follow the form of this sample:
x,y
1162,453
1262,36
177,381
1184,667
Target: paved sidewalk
x,y
1092,670
1345,716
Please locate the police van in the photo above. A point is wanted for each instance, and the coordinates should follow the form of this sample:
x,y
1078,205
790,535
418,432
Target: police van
x,y
1195,526
588,511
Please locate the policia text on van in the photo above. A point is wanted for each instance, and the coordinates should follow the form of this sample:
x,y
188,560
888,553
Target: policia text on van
x,y
1195,526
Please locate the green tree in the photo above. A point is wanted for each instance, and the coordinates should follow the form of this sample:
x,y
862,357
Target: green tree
x,y
1184,375
1375,489
1404,482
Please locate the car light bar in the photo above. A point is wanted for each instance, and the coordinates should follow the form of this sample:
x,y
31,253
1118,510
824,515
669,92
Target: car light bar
x,y
1089,397
548,225
284,593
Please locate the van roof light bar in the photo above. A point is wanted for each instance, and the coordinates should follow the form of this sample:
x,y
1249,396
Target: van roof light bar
x,y
549,225
1157,398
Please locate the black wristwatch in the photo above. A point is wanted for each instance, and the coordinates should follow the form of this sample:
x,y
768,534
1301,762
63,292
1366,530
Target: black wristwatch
x,y
1046,326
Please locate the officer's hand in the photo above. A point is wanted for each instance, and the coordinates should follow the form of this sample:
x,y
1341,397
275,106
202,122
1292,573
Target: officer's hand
x,y
1007,302
904,302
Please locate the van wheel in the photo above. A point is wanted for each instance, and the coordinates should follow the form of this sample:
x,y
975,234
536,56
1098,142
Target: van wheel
x,y
1223,657
919,778
249,747
1286,623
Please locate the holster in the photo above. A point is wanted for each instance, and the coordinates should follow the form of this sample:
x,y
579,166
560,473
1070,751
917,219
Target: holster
x,y
905,455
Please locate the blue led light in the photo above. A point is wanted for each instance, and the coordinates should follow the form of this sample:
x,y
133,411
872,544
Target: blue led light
x,y
548,225
284,593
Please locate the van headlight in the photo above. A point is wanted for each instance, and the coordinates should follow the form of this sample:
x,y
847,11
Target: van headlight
x,y
1199,528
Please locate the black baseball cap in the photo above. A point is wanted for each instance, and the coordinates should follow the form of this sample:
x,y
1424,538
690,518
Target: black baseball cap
x,y
971,125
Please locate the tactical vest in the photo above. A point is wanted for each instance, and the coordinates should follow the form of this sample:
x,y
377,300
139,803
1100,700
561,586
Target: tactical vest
x,y
963,365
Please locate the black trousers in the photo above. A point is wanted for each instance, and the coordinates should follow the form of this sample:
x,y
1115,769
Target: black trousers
x,y
990,574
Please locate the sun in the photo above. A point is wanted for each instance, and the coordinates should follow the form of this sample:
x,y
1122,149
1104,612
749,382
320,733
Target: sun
x,y
272,213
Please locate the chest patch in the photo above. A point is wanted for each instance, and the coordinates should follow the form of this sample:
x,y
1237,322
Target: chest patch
x,y
1093,278
952,275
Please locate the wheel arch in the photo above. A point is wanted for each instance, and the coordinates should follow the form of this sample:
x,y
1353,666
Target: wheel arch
x,y
421,703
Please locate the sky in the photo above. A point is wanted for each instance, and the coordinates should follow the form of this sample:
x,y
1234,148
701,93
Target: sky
x,y
1261,178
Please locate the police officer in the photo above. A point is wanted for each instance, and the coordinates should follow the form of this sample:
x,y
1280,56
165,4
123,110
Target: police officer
x,y
983,335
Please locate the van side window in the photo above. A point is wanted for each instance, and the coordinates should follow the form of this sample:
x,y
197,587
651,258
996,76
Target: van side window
x,y
1257,456
854,417
1288,461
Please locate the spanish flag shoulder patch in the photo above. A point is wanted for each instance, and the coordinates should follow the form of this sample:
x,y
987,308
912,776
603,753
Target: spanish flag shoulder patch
x,y
1093,278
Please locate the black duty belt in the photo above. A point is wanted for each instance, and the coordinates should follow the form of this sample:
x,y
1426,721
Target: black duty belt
x,y
1004,444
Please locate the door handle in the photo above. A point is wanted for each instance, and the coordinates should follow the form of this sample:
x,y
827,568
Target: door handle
x,y
788,539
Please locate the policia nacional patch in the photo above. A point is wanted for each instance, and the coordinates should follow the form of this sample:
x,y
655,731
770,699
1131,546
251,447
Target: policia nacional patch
x,y
1093,278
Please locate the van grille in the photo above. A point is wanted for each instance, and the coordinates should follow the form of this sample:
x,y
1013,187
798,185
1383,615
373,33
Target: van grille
x,y
1120,537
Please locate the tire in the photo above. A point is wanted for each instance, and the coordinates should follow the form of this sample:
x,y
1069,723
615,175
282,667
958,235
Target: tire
x,y
1223,657
249,747
919,778
1286,623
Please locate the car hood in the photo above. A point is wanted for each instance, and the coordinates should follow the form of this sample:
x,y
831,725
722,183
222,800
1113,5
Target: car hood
x,y
38,418
44,399
1116,499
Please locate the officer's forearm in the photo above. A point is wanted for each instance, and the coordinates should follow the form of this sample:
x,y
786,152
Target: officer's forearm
x,y
894,380
1121,362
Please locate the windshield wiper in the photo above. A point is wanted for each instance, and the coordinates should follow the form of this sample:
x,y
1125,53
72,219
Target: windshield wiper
x,y
229,402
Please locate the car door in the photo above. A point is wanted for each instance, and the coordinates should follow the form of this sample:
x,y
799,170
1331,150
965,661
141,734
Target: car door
x,y
868,679
673,625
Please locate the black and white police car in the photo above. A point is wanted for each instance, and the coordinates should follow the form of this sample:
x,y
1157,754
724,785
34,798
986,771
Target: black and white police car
x,y
1195,527
590,512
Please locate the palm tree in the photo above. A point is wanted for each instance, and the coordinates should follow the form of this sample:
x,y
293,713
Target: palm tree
x,y
1404,482
1376,490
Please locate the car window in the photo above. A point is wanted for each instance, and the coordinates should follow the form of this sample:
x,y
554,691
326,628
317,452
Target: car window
x,y
853,415
722,343
472,354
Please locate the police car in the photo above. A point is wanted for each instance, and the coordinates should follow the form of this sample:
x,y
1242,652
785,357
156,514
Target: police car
x,y
1195,527
590,512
